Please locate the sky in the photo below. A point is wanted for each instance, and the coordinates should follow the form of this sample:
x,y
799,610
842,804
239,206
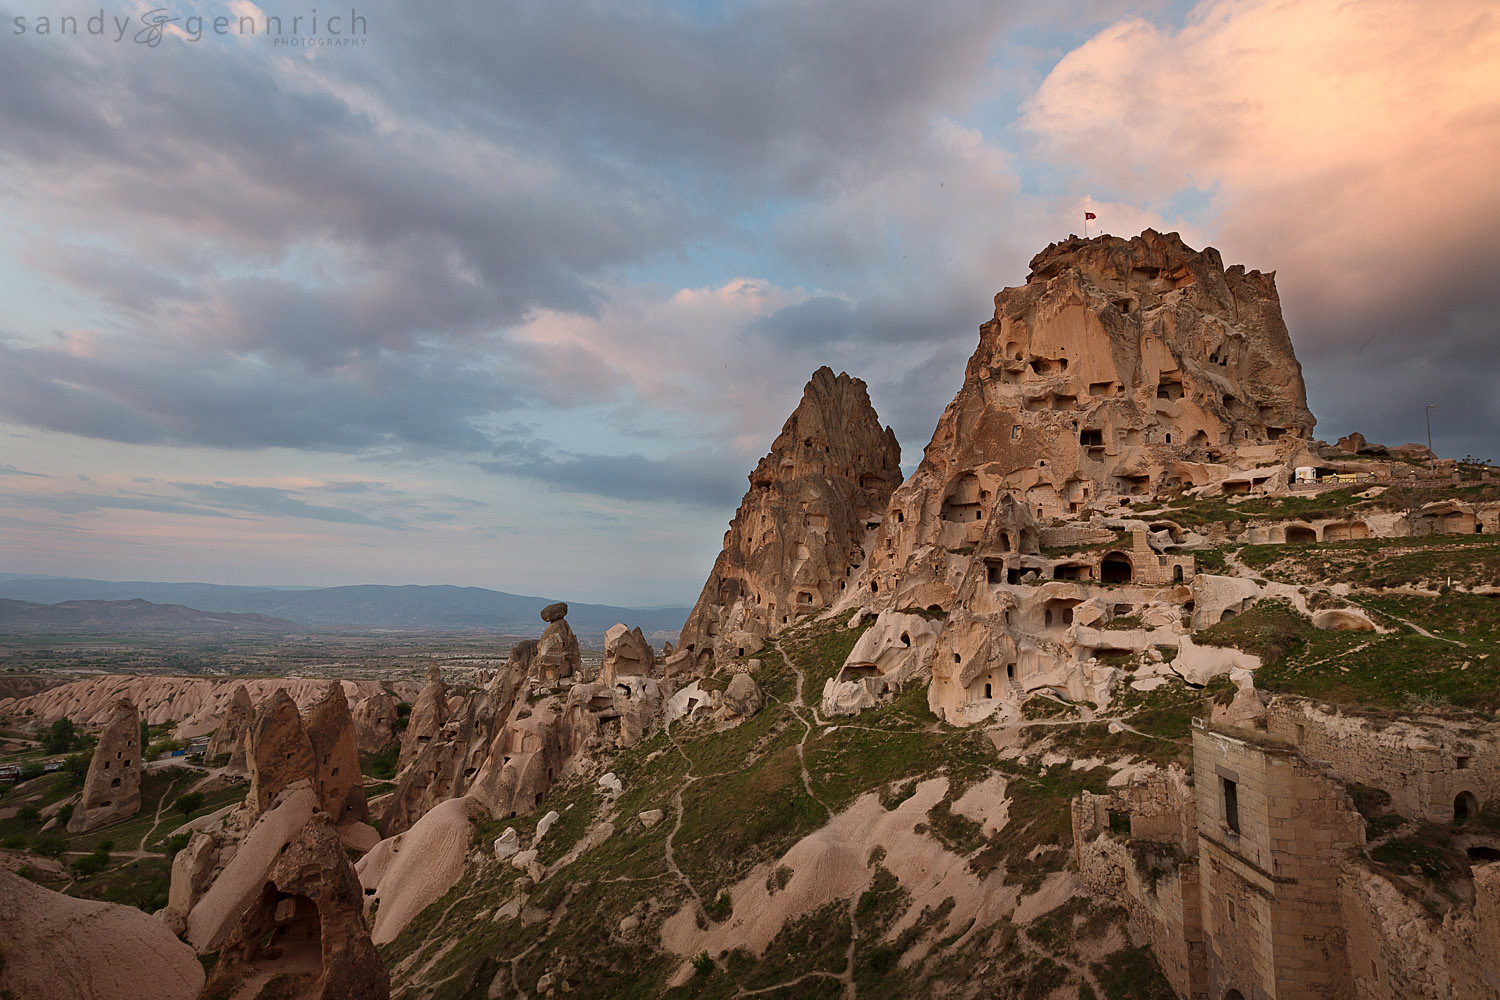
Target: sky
x,y
514,294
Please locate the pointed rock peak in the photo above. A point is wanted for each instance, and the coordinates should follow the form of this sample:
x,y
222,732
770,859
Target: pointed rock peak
x,y
800,529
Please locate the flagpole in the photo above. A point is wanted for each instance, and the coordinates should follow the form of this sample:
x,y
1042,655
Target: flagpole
x,y
1085,225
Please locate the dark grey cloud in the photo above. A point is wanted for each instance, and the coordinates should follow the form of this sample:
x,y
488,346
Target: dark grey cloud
x,y
792,95
702,477
11,470
145,394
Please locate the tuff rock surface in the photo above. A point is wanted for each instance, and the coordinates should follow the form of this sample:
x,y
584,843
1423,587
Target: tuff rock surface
x,y
112,788
801,529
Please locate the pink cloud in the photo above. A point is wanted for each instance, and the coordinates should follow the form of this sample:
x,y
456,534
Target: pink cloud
x,y
1352,145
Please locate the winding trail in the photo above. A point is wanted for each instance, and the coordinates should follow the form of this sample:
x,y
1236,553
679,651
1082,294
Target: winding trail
x,y
156,821
795,706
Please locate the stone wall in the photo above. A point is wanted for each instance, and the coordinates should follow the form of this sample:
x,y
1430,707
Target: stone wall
x,y
1272,832
1397,951
1163,906
1425,763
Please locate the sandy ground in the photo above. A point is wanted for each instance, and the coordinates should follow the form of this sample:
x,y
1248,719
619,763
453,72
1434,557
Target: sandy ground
x,y
832,863
61,948
985,803
412,870
1055,891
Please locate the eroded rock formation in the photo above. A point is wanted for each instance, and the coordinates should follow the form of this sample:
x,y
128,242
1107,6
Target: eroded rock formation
x,y
280,752
330,730
374,722
112,789
233,732
1121,369
801,529
306,922
557,657
61,947
626,654
428,713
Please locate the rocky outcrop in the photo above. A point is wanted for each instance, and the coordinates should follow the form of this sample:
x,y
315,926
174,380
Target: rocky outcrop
x,y
450,763
247,854
1356,445
330,730
78,949
743,696
280,752
626,654
112,789
557,657
307,921
405,873
1121,369
233,732
801,530
374,722
894,650
428,714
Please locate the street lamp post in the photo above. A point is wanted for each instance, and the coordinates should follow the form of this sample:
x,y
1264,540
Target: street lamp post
x,y
1431,458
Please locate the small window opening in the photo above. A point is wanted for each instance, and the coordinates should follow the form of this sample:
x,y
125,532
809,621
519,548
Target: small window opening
x,y
1231,805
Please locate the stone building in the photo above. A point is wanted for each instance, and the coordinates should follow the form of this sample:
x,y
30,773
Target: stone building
x,y
1250,879
1272,829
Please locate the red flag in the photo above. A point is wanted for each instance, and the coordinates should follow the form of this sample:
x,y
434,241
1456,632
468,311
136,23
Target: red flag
x,y
1090,215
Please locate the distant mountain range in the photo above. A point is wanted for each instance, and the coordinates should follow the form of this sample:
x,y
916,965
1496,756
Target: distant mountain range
x,y
115,616
366,606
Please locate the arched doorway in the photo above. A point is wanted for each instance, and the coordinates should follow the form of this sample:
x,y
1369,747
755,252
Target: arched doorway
x,y
1465,805
1234,995
1300,534
1115,568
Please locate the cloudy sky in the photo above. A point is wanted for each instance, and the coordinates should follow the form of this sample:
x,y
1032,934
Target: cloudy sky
x,y
513,294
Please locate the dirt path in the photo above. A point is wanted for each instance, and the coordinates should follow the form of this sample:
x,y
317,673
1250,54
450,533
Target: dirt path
x,y
796,705
156,822
672,860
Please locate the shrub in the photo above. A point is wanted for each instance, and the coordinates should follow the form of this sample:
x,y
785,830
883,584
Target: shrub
x,y
188,803
51,844
702,964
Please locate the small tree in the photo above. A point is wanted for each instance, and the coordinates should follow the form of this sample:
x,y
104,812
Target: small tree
x,y
29,815
60,737
187,803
